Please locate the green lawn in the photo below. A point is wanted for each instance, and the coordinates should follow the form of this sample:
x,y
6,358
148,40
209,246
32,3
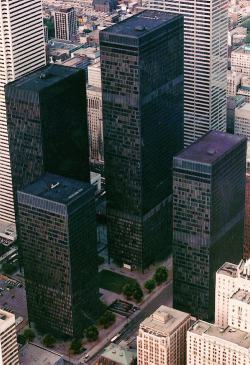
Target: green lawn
x,y
112,281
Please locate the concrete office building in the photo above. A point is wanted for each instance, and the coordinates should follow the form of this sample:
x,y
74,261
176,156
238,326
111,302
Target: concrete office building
x,y
233,82
22,50
65,24
240,60
205,63
142,83
208,217
8,339
95,119
162,338
230,279
57,229
246,251
47,124
208,344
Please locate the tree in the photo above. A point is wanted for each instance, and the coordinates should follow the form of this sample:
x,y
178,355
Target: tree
x,y
161,275
128,290
107,319
9,268
138,294
29,334
92,333
150,285
49,340
76,346
21,339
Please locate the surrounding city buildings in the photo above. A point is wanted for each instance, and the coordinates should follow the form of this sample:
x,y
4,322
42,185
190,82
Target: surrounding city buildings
x,y
22,50
246,251
57,231
233,82
231,279
142,82
47,124
240,60
95,120
162,338
208,344
117,355
205,63
242,120
65,24
8,339
208,217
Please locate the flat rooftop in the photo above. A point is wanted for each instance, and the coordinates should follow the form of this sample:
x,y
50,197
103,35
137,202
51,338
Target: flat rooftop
x,y
31,354
242,296
245,107
119,355
57,188
6,317
242,49
230,334
228,269
164,320
43,78
141,24
211,147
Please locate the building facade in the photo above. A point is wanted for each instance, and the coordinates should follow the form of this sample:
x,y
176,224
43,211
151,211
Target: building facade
x,y
208,217
22,50
65,24
208,344
57,230
233,82
162,338
8,339
205,63
246,251
142,83
230,279
95,119
47,124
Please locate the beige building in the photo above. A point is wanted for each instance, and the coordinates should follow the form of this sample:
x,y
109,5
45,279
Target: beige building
x,y
233,82
245,88
8,339
230,279
240,60
162,338
209,344
95,119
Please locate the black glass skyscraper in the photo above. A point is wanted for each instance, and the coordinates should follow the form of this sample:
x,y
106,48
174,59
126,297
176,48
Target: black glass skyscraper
x,y
142,81
57,232
208,217
47,125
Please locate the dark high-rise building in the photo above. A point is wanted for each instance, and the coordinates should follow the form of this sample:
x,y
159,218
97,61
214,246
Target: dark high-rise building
x,y
47,125
208,217
57,232
142,82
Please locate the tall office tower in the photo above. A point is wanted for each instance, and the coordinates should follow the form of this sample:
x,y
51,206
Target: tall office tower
x,y
95,120
21,51
8,339
162,337
65,24
208,217
205,63
142,83
211,344
246,251
58,238
47,124
230,279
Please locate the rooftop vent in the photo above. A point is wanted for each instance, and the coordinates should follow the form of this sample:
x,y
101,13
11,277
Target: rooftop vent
x,y
45,75
53,186
140,28
211,151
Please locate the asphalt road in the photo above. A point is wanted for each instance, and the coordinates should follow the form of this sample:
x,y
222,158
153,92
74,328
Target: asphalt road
x,y
131,328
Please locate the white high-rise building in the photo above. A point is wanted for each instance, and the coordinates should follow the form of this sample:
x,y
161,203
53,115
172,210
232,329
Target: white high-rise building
x,y
22,50
230,279
205,63
8,339
162,337
65,24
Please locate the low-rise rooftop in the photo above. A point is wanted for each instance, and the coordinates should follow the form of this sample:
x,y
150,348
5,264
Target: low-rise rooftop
x,y
164,320
229,334
211,147
32,354
242,296
57,188
119,355
228,269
